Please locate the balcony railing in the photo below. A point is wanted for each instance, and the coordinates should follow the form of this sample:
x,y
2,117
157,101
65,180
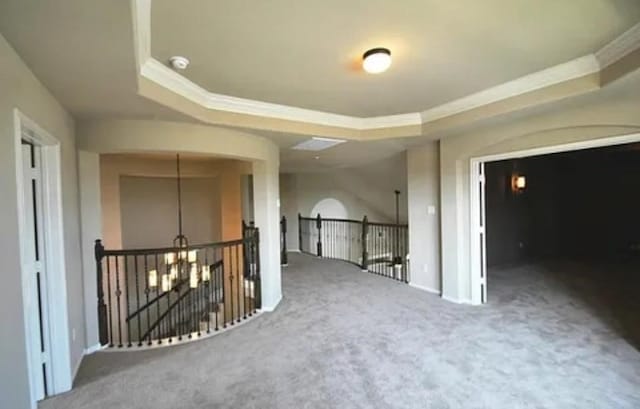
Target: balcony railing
x,y
248,228
380,248
167,295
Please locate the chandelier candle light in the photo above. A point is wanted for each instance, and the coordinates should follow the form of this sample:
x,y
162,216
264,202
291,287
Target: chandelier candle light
x,y
182,262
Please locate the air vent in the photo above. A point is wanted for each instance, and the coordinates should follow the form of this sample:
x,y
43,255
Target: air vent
x,y
317,144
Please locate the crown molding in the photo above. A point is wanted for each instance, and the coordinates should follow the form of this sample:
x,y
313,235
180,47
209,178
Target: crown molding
x,y
625,44
160,74
551,76
141,17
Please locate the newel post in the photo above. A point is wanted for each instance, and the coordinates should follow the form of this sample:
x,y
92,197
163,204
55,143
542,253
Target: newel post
x,y
283,249
258,279
365,253
102,307
300,233
319,244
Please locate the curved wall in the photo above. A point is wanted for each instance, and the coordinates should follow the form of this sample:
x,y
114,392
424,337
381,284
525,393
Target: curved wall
x,y
130,136
115,136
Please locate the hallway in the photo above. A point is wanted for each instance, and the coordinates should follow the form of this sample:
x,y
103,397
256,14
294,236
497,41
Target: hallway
x,y
342,338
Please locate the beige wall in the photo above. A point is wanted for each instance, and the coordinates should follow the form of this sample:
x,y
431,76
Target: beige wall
x,y
608,112
363,191
22,90
224,173
289,208
423,172
149,208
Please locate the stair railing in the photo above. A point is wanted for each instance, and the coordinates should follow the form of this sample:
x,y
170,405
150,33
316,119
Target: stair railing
x,y
143,300
380,248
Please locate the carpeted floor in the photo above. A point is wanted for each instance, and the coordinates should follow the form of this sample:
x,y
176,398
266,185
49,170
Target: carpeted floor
x,y
553,336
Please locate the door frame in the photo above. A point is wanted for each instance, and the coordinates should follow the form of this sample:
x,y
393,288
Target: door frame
x,y
53,238
478,245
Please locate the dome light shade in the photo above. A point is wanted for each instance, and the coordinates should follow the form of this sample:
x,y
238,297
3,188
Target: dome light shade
x,y
376,60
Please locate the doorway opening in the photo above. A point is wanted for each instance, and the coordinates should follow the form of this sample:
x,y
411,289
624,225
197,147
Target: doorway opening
x,y
551,203
38,180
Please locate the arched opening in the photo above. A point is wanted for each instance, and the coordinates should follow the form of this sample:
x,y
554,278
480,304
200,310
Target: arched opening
x,y
330,208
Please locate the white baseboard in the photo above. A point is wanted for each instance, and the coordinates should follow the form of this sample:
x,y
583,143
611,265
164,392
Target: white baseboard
x,y
272,307
424,288
456,300
87,351
76,369
94,348
293,250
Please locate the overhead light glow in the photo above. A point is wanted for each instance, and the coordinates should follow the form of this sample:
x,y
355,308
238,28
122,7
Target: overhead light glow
x,y
376,60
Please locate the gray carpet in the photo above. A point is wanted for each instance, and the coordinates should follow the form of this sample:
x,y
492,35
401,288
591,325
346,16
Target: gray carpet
x,y
553,336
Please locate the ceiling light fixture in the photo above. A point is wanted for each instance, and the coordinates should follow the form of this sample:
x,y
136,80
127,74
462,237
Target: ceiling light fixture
x,y
179,62
181,264
376,60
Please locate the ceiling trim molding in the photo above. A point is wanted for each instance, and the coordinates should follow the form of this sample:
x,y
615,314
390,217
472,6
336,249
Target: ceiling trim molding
x,y
163,76
141,10
625,44
568,71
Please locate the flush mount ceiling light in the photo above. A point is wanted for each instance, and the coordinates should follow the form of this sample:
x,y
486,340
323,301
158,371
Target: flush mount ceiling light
x,y
179,62
376,60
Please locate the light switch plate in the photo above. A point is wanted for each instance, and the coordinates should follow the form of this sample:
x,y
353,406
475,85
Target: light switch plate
x,y
431,210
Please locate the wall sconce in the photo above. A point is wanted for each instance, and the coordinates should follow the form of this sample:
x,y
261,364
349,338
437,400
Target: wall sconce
x,y
518,183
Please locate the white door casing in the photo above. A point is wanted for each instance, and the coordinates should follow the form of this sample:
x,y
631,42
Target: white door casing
x,y
34,271
477,205
52,261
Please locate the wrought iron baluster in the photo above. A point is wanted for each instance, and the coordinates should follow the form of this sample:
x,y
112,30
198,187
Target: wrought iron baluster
x,y
217,291
135,260
171,323
146,291
258,285
319,228
111,336
241,279
118,294
158,288
102,308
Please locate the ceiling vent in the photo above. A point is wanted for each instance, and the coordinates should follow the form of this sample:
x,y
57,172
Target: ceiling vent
x,y
317,144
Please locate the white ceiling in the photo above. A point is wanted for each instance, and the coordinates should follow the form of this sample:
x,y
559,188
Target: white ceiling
x,y
307,54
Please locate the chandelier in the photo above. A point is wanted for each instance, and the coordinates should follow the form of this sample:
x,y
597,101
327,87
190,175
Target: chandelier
x,y
182,262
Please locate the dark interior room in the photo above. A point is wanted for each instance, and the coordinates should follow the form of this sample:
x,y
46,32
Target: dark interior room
x,y
565,228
